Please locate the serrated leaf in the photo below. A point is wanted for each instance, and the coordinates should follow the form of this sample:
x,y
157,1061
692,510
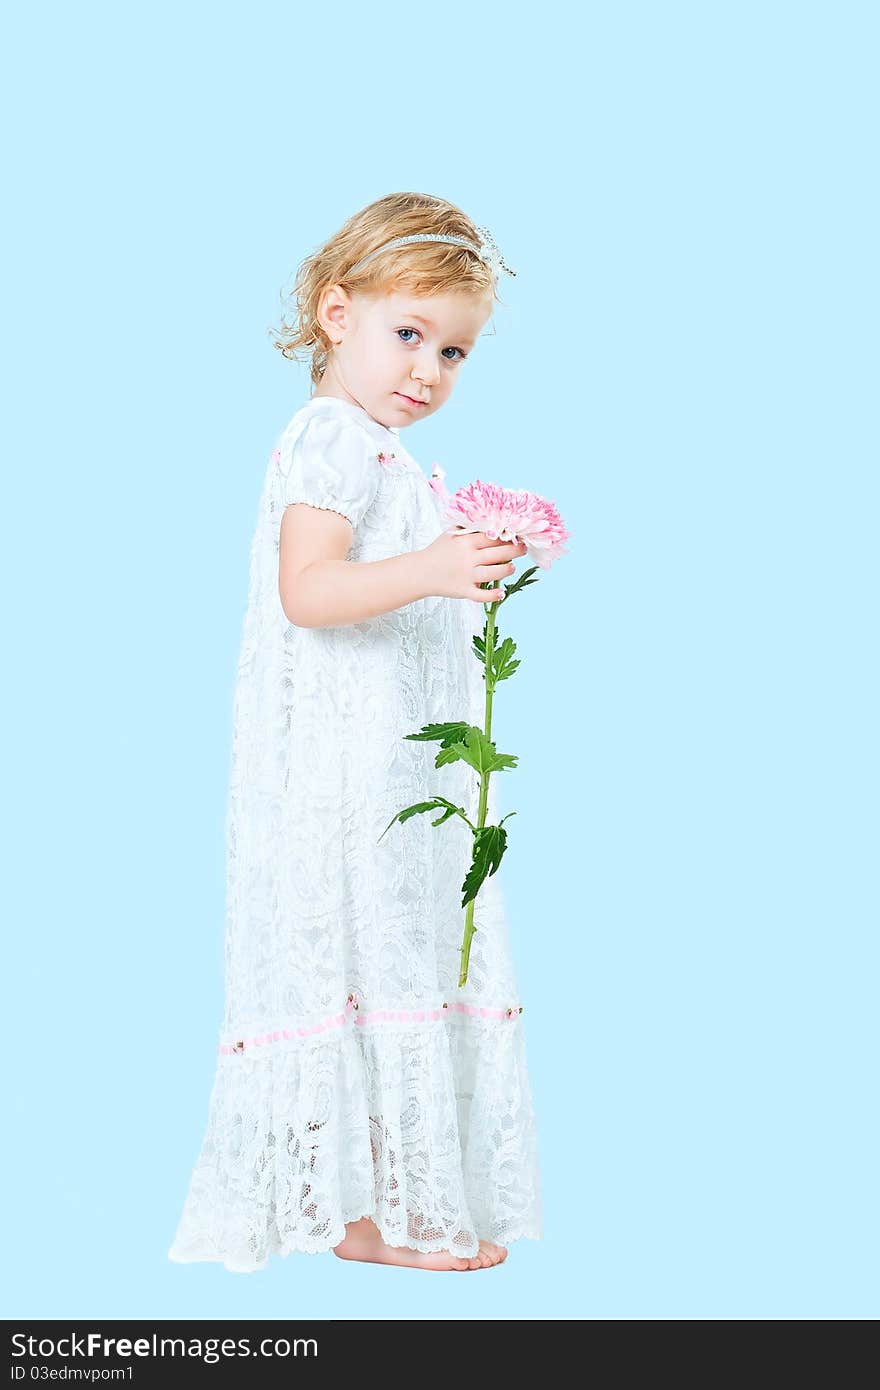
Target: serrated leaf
x,y
471,752
524,579
477,749
490,842
446,733
413,810
452,754
500,761
506,671
502,664
478,752
450,810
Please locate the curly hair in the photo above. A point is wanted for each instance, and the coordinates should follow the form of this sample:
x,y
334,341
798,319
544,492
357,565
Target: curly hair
x,y
421,268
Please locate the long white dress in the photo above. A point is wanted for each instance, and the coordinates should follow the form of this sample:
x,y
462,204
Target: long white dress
x,y
354,1077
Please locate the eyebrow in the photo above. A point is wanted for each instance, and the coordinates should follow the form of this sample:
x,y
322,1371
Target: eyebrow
x,y
428,323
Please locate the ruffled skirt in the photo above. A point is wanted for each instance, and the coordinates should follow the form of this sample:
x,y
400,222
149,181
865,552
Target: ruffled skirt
x,y
419,1119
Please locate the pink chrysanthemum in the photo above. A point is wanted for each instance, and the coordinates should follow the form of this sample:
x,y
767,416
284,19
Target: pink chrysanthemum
x,y
508,514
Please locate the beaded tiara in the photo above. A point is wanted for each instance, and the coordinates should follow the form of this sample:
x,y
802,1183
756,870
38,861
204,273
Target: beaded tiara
x,y
486,248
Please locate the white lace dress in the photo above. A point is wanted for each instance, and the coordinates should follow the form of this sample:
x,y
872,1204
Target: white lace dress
x,y
354,1077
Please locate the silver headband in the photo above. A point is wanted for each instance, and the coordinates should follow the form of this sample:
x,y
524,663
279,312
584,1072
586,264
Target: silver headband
x,y
487,249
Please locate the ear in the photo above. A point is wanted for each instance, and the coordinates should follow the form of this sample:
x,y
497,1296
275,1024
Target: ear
x,y
334,313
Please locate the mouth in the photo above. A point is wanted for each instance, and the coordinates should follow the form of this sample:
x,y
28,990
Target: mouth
x,y
410,399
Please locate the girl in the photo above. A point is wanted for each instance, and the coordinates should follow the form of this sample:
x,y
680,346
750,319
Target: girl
x,y
364,1103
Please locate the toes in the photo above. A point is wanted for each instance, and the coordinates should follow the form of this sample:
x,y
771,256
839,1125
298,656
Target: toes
x,y
498,1253
488,1254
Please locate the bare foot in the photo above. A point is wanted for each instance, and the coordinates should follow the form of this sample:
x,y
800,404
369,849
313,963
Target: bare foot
x,y
363,1242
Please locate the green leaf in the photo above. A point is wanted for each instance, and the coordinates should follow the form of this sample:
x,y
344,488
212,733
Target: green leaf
x,y
452,754
490,842
405,815
478,752
450,810
522,581
502,663
446,733
501,761
475,749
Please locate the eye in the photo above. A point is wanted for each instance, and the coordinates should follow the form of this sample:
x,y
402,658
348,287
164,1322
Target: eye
x,y
461,353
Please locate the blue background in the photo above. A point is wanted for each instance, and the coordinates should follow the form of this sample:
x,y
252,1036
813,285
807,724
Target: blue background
x,y
687,365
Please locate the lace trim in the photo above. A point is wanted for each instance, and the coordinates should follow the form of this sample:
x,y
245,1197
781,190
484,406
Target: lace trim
x,y
352,1011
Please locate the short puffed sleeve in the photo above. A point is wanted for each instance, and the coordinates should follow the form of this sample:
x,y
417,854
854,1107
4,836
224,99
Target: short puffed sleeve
x,y
333,464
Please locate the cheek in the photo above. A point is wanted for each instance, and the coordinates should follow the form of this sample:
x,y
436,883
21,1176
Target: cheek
x,y
378,353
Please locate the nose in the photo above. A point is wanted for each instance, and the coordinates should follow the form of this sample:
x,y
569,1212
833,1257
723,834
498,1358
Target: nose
x,y
426,369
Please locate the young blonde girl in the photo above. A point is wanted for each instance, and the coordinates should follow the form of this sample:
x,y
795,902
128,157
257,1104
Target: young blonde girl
x,y
363,1102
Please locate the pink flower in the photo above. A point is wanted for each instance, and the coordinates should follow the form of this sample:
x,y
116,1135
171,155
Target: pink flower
x,y
384,458
509,514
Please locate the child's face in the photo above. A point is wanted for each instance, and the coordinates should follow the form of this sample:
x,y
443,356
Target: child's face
x,y
396,349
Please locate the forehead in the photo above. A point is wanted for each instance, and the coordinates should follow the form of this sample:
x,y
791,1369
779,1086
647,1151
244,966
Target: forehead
x,y
449,314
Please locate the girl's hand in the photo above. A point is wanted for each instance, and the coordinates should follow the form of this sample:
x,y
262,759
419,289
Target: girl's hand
x,y
456,563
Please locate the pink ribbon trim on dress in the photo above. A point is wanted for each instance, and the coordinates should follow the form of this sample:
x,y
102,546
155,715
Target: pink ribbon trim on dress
x,y
352,1006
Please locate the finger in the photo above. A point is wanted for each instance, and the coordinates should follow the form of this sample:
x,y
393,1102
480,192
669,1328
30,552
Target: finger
x,y
493,572
510,547
488,595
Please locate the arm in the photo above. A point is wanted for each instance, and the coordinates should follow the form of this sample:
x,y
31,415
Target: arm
x,y
318,587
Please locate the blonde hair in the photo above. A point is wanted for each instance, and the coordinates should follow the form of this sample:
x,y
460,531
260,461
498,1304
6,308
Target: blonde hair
x,y
421,268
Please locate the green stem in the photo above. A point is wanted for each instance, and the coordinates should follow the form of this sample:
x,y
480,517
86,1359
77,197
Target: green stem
x,y
469,928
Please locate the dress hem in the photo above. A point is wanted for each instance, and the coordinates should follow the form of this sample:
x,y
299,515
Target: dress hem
x,y
336,1238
